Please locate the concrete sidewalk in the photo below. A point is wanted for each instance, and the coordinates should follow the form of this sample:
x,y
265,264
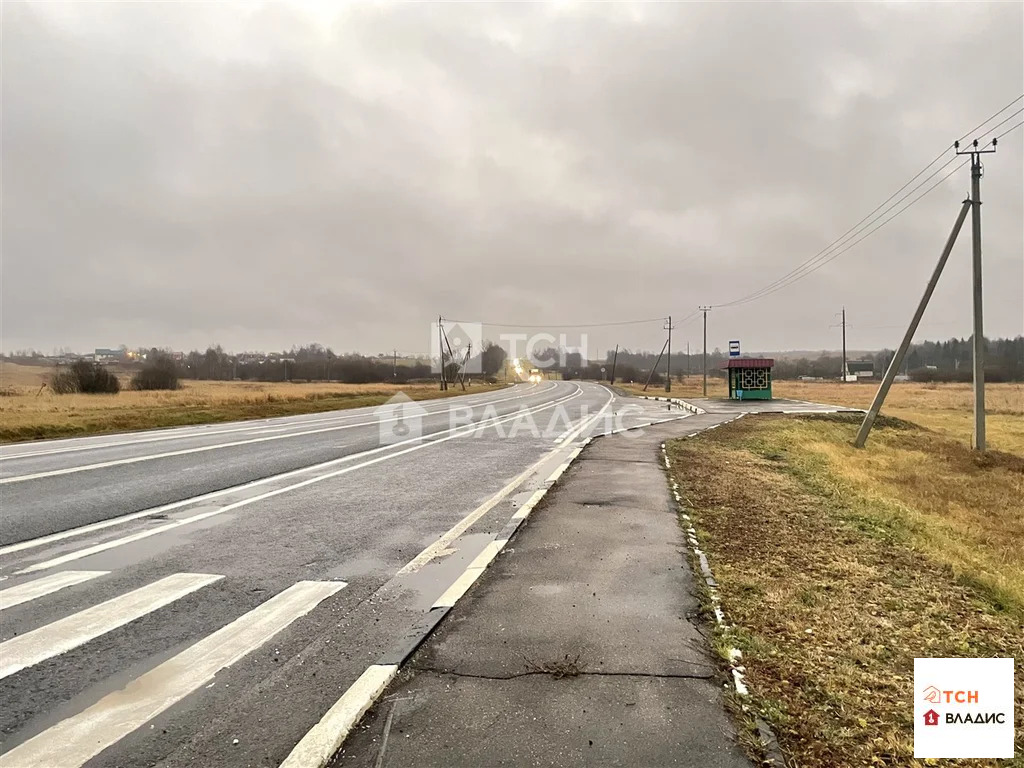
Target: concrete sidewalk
x,y
577,647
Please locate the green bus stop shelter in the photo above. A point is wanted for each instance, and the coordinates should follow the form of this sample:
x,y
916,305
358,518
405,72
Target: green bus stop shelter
x,y
750,378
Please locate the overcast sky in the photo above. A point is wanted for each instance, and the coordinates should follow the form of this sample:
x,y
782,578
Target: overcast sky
x,y
262,175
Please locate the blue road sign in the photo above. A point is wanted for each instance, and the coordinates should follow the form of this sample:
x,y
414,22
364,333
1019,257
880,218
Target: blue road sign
x,y
734,349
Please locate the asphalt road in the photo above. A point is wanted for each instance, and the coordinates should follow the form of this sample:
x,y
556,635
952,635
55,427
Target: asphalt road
x,y
202,596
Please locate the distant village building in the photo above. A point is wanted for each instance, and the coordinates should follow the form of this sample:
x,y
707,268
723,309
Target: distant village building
x,y
861,369
102,355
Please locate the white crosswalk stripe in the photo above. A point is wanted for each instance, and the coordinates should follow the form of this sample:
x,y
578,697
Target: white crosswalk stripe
x,y
32,590
76,740
78,628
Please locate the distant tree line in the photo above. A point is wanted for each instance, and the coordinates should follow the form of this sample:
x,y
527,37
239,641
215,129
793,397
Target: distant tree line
x,y
316,362
928,361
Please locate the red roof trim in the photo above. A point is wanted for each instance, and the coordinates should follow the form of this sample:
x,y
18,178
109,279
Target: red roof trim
x,y
749,362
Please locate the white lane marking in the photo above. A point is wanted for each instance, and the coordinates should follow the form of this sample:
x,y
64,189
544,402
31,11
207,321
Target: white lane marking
x,y
564,465
567,438
470,575
47,585
93,527
205,448
525,510
79,738
263,425
323,739
78,628
463,525
451,434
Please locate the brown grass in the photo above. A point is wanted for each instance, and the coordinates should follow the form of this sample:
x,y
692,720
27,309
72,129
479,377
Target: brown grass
x,y
839,567
26,413
945,408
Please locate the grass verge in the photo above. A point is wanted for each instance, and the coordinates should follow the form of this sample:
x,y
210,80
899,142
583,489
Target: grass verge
x,y
946,408
33,415
838,567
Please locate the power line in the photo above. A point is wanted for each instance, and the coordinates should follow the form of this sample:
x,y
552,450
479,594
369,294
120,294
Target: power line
x,y
865,235
561,325
828,253
1001,123
990,118
1014,128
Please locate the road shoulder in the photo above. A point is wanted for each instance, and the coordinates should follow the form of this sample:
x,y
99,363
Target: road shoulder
x,y
580,645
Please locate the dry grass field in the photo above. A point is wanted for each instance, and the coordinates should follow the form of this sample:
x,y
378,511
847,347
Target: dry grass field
x,y
839,566
28,413
943,408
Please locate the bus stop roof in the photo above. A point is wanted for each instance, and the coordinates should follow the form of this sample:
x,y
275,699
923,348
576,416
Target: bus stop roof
x,y
749,362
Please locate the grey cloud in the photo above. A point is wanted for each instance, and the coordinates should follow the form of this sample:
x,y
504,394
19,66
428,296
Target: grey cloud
x,y
268,175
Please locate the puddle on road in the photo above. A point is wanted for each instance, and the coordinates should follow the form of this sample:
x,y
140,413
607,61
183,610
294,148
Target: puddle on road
x,y
430,582
139,551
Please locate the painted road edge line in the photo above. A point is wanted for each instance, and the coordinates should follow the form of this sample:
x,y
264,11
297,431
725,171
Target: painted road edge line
x,y
418,444
324,739
320,743
217,446
676,401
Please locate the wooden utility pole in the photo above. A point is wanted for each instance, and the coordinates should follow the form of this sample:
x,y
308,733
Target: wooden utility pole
x,y
615,359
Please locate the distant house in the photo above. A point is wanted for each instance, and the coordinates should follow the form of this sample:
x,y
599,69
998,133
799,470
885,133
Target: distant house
x,y
862,369
102,355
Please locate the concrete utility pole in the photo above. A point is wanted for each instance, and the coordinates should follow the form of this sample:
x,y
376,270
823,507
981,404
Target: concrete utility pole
x,y
651,374
440,352
394,364
897,359
843,375
705,310
844,346
979,334
668,372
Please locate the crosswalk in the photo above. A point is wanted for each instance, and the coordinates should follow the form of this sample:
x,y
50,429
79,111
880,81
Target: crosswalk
x,y
73,741
32,590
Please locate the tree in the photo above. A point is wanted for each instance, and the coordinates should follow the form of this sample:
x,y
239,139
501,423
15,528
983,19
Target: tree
x,y
85,377
160,372
491,359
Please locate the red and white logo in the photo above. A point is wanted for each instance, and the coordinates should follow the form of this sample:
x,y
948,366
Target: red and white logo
x,y
972,699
